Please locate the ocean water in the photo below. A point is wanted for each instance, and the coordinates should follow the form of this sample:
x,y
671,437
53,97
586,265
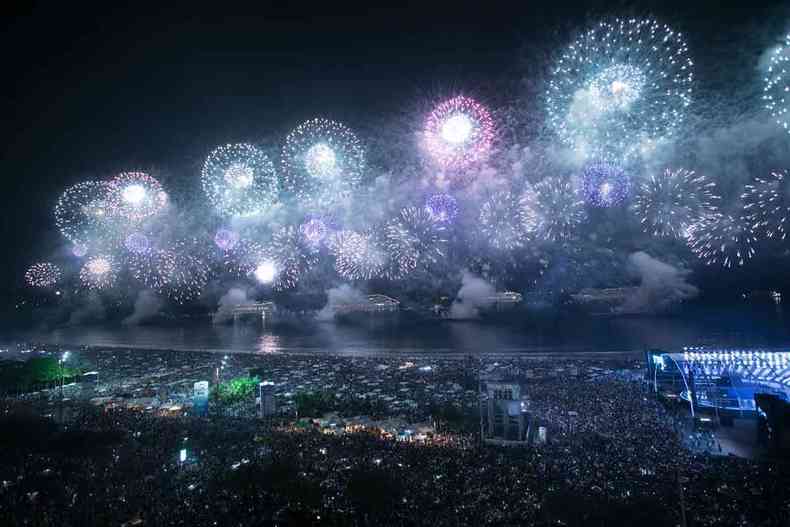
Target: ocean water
x,y
741,326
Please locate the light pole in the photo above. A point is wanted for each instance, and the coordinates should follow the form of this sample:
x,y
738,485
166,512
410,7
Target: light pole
x,y
62,361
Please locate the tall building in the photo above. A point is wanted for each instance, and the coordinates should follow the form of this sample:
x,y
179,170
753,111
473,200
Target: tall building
x,y
506,418
268,407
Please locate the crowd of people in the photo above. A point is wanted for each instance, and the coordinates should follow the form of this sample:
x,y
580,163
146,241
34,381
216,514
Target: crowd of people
x,y
615,455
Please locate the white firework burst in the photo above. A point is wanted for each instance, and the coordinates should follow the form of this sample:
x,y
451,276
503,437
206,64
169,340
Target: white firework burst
x,y
620,88
553,209
83,215
414,238
239,180
99,272
322,163
776,89
722,239
292,255
668,204
43,274
767,204
358,256
504,221
134,196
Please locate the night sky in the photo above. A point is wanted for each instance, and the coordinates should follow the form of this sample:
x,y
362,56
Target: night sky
x,y
92,90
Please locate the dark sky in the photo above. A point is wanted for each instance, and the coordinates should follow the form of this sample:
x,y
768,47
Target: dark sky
x,y
92,89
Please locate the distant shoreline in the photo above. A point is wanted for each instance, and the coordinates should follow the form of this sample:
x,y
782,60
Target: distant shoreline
x,y
542,352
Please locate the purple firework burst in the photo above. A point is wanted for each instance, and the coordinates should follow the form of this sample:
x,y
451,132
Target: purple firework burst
x,y
605,185
442,208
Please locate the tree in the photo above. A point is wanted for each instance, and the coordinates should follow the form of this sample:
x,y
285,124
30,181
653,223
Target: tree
x,y
313,404
236,390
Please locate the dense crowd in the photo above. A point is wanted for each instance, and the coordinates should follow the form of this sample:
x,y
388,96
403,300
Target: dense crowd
x,y
614,456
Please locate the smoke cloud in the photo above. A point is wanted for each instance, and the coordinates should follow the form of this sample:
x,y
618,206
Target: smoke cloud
x,y
338,296
474,294
662,285
233,298
147,306
91,311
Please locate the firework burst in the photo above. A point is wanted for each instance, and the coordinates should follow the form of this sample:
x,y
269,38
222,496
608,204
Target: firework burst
x,y
668,204
174,272
458,132
358,256
504,222
134,196
42,274
413,238
239,180
776,90
605,184
553,209
322,162
314,231
766,203
226,239
620,88
442,208
82,214
292,255
240,259
722,239
137,243
99,272
187,278
153,268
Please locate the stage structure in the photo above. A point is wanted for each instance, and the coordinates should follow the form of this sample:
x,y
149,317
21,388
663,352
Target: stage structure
x,y
375,303
506,418
264,310
721,379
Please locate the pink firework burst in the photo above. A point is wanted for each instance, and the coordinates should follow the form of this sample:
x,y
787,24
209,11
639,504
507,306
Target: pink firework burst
x,y
458,133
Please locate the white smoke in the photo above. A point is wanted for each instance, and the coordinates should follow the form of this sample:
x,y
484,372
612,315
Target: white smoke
x,y
147,306
662,285
91,311
474,294
338,296
233,298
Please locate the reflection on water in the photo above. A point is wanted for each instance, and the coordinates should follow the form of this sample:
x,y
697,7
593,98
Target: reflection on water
x,y
744,326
